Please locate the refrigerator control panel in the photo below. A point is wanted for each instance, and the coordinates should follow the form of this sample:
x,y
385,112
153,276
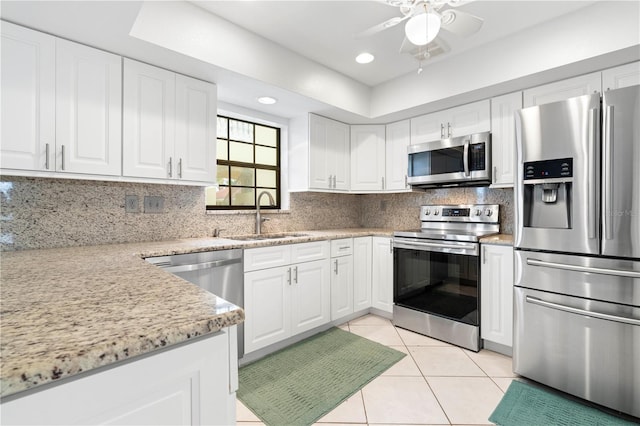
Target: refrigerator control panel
x,y
549,169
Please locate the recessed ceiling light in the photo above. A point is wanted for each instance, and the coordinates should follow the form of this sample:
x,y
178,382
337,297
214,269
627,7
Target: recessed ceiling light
x,y
364,58
267,100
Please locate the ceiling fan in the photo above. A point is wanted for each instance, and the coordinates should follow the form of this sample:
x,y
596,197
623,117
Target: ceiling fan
x,y
424,20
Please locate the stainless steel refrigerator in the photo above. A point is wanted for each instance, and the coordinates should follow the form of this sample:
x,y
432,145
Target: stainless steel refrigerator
x,y
577,247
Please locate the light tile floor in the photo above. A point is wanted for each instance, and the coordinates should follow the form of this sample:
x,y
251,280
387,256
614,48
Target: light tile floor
x,y
435,384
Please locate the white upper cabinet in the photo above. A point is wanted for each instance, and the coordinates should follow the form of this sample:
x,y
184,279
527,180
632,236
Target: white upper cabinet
x,y
149,121
169,125
195,143
398,139
564,89
503,138
329,154
88,110
61,105
28,99
459,121
622,76
368,158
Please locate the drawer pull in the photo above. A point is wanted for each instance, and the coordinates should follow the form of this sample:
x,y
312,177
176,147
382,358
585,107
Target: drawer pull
x,y
578,311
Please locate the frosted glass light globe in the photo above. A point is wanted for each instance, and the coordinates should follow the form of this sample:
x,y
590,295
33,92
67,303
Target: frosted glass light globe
x,y
422,29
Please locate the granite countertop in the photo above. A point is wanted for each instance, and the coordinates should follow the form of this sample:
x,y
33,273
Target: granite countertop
x,y
69,310
498,239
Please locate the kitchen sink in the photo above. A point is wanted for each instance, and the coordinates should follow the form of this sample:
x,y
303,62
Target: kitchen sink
x,y
266,237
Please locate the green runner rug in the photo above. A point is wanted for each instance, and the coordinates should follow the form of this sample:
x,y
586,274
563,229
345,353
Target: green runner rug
x,y
525,404
301,383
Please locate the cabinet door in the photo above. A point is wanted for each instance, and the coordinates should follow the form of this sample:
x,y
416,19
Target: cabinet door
x,y
148,121
28,99
319,177
195,144
622,76
267,305
367,158
397,140
503,138
427,128
564,89
310,295
382,274
468,119
497,294
338,154
88,110
362,272
341,287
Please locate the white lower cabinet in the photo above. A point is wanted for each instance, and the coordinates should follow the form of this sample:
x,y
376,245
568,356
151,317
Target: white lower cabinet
x,y
496,318
341,278
382,274
362,272
194,383
289,296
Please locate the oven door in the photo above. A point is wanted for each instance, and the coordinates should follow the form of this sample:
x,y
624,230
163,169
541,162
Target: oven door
x,y
438,277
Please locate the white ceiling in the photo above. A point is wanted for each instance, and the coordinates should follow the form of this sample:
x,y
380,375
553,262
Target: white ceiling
x,y
319,33
325,31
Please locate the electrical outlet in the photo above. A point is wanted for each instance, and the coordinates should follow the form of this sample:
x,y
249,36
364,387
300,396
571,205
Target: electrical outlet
x,y
131,204
153,204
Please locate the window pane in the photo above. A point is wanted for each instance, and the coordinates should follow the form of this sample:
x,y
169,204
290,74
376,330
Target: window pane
x,y
241,152
222,196
222,151
243,197
267,156
266,136
264,201
242,176
240,131
222,175
222,127
266,178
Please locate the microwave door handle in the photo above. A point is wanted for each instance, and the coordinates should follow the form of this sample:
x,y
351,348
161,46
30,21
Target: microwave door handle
x,y
465,159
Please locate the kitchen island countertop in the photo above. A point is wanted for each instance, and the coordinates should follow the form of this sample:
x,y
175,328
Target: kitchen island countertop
x,y
70,310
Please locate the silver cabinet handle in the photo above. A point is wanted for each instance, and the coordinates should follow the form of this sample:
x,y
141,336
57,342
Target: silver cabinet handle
x,y
484,254
170,166
465,160
289,276
62,150
46,153
578,268
335,266
591,175
334,181
495,173
295,274
442,130
607,169
390,246
406,183
448,130
382,182
578,311
180,168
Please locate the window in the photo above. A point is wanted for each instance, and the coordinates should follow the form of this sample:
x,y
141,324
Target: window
x,y
248,163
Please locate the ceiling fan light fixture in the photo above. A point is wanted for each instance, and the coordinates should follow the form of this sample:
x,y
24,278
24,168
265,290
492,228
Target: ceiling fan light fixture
x,y
423,28
365,58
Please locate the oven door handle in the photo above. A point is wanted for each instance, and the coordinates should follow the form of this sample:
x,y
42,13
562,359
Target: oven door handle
x,y
578,311
589,269
470,249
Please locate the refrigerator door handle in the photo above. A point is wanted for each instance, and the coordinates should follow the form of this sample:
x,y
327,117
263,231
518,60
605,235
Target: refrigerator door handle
x,y
588,269
607,213
592,314
591,173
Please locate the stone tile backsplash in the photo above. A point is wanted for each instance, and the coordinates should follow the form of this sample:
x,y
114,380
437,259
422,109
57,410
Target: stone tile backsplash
x,y
47,213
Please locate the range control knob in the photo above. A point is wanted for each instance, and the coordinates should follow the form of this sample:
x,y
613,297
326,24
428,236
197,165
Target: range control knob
x,y
478,212
436,212
488,212
427,212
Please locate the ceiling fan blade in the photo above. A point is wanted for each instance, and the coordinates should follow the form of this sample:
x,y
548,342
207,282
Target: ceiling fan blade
x,y
381,26
461,23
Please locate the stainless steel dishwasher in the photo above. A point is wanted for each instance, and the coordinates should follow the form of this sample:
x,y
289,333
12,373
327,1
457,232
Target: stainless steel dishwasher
x,y
219,272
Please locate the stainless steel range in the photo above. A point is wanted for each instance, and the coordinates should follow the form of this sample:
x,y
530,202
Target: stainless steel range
x,y
437,272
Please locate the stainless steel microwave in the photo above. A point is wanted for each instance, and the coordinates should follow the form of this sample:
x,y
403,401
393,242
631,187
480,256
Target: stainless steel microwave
x,y
460,161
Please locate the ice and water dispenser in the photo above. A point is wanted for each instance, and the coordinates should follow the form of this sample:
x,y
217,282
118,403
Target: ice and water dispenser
x,y
547,187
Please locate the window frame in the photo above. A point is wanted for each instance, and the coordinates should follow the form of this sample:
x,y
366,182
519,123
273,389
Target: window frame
x,y
255,166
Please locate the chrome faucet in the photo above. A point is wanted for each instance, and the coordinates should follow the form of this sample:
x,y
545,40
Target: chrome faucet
x,y
259,219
